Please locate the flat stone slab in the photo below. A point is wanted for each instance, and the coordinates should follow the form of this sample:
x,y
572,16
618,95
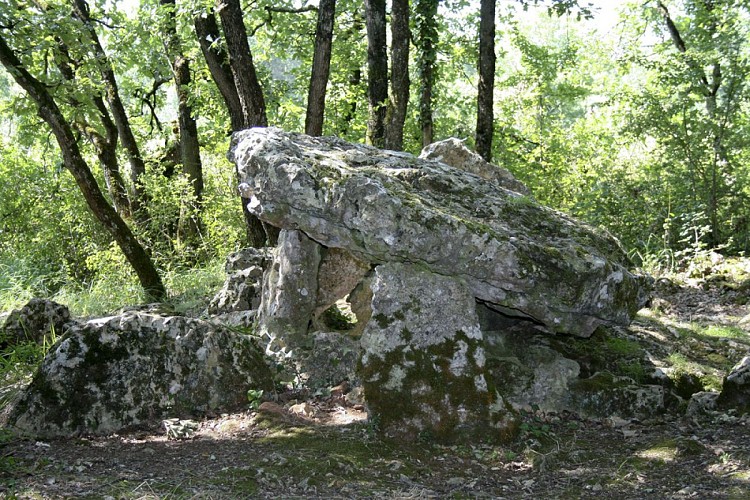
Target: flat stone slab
x,y
523,259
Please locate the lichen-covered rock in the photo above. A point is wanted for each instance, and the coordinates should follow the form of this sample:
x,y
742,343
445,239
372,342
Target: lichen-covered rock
x,y
290,288
702,404
339,273
384,206
37,320
453,152
529,374
246,258
242,288
591,377
423,361
241,292
326,359
112,373
735,392
604,395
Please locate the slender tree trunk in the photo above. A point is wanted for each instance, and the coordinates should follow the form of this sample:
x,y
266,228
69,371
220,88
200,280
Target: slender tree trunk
x,y
106,148
189,147
251,100
77,166
427,37
127,138
321,68
400,38
486,90
241,62
217,60
377,76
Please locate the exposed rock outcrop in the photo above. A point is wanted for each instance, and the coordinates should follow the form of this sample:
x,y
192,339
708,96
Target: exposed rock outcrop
x,y
135,369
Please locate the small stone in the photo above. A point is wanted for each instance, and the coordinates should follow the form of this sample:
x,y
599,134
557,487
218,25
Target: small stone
x,y
302,410
272,408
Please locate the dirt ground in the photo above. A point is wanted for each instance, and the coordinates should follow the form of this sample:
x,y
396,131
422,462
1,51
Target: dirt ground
x,y
325,448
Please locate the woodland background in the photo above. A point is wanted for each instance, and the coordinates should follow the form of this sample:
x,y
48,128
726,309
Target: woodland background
x,y
116,117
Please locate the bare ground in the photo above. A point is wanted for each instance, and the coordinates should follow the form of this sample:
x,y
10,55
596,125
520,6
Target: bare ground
x,y
327,449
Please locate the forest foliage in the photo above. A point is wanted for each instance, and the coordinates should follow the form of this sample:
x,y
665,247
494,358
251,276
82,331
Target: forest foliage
x,y
635,119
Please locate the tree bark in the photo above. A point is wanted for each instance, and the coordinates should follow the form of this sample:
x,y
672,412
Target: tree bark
x,y
321,68
77,166
377,77
427,37
105,146
189,147
400,37
207,31
127,138
252,103
106,151
241,61
486,90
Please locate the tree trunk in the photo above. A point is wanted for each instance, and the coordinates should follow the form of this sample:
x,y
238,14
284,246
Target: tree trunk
x,y
106,151
251,100
77,166
486,90
189,147
217,60
241,61
377,77
105,146
427,37
137,165
321,68
400,37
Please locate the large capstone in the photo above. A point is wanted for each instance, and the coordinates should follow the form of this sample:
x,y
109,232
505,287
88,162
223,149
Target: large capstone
x,y
423,362
520,258
135,369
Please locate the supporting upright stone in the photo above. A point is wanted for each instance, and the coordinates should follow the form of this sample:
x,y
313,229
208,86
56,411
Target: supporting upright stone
x,y
423,362
289,291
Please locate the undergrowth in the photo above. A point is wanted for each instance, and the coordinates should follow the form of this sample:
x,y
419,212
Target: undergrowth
x,y
118,287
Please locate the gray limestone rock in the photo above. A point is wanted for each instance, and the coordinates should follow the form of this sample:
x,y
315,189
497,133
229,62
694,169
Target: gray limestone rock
x,y
242,288
246,258
604,395
290,288
241,292
453,152
37,320
384,206
136,369
423,361
529,374
735,392
702,404
339,273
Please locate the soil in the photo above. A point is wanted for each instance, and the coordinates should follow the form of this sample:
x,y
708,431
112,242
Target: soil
x,y
324,447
